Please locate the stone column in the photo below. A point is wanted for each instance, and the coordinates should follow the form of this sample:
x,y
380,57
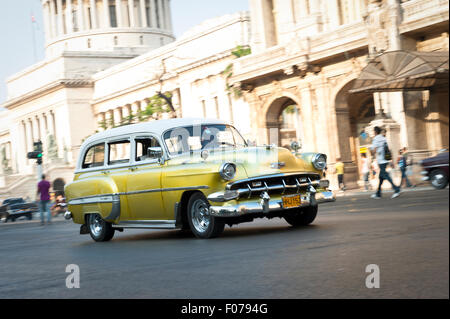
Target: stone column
x,y
108,117
117,116
53,22
29,135
167,17
152,23
143,104
309,131
135,110
161,14
93,6
143,14
47,25
131,12
176,102
125,113
80,15
69,19
119,13
106,18
333,13
59,9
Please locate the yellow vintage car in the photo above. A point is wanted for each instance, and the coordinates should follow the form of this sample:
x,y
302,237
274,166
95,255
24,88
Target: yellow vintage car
x,y
196,174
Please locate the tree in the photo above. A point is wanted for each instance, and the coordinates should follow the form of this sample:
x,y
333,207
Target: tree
x,y
238,52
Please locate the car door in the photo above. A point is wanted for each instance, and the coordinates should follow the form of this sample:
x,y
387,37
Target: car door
x,y
117,168
144,181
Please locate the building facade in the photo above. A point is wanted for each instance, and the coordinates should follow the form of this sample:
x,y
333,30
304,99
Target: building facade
x,y
309,54
106,58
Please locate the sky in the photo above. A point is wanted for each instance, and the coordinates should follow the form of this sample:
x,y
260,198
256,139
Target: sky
x,y
22,41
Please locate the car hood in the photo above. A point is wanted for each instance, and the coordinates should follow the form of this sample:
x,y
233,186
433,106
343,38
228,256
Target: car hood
x,y
250,161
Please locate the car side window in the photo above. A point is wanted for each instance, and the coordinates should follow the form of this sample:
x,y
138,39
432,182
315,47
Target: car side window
x,y
94,156
142,145
119,152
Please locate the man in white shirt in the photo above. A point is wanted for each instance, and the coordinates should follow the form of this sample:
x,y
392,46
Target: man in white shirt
x,y
378,148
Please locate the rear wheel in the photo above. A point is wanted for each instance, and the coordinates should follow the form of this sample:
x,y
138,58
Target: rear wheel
x,y
302,216
202,224
438,179
99,229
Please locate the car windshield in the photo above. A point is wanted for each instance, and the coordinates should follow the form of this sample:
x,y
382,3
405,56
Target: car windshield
x,y
199,137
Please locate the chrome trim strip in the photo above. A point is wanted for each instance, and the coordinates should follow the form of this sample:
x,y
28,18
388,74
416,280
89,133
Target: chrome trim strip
x,y
261,177
147,224
437,165
109,198
95,199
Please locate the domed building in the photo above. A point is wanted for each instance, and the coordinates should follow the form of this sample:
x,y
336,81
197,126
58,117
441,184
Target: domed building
x,y
103,59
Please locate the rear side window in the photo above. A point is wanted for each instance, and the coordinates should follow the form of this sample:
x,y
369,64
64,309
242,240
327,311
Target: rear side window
x,y
119,152
95,156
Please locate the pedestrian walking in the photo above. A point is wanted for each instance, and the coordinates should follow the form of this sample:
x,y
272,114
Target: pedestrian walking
x,y
402,164
339,169
43,188
365,170
380,148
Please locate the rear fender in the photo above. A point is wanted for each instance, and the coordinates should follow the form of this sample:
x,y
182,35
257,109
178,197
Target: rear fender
x,y
97,195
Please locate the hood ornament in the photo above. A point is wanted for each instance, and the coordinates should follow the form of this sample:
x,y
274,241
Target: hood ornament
x,y
277,165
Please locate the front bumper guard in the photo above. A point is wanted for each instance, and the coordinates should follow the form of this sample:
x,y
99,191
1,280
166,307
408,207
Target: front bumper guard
x,y
266,205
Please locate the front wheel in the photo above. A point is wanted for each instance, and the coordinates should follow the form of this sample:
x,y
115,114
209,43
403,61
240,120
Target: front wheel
x,y
302,216
99,229
438,179
202,224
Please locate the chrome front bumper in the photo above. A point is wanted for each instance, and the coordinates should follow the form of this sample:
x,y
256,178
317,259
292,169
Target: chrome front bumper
x,y
266,205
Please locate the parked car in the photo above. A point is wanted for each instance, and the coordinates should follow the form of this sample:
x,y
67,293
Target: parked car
x,y
435,169
192,174
14,208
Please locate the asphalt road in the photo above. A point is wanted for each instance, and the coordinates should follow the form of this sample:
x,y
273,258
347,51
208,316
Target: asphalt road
x,y
408,238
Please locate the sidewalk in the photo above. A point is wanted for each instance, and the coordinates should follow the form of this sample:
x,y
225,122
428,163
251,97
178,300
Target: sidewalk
x,y
36,220
359,192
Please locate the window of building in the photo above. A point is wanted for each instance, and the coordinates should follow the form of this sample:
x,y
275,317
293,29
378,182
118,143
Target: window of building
x,y
89,18
75,20
142,145
113,15
157,12
119,152
147,13
95,156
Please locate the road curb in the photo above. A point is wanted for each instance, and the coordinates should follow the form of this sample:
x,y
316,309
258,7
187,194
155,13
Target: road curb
x,y
361,193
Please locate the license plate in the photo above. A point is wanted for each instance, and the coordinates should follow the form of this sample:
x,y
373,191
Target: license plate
x,y
291,201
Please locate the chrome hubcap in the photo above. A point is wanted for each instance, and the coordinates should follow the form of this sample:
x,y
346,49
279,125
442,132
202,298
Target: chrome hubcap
x,y
438,179
96,225
200,216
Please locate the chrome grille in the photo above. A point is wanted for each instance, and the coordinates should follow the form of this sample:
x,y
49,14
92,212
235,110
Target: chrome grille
x,y
275,184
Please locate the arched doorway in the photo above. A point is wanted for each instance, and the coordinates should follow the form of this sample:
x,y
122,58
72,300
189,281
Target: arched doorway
x,y
354,112
283,122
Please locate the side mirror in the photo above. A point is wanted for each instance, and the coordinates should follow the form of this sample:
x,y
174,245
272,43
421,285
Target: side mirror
x,y
295,146
156,152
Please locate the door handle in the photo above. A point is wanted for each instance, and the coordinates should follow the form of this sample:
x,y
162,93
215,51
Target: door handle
x,y
105,172
133,168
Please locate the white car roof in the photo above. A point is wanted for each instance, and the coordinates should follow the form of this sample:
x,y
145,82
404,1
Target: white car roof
x,y
155,127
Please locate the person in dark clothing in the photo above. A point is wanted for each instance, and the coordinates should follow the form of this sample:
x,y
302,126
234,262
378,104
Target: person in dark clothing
x,y
43,188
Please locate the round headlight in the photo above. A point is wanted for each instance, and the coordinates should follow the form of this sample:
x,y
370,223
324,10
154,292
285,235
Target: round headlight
x,y
227,171
319,161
